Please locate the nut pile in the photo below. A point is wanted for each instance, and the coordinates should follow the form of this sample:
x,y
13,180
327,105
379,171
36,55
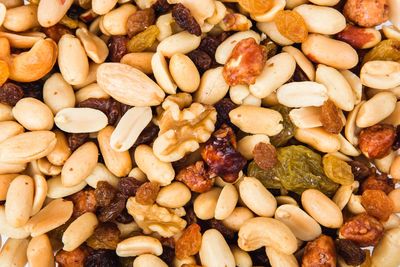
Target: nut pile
x,y
185,133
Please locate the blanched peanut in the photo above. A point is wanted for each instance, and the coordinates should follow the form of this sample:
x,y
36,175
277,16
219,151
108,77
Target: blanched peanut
x,y
306,117
22,18
57,190
354,205
278,258
39,252
395,197
386,252
148,260
237,218
204,205
9,129
355,84
33,114
5,112
395,168
380,74
101,173
270,14
394,118
58,94
141,61
256,197
215,251
227,201
246,145
270,29
10,231
61,151
304,63
102,7
75,234
184,73
319,139
13,253
41,189
95,47
343,194
51,12
302,94
383,164
321,208
5,181
93,90
138,245
182,42
115,21
213,87
174,195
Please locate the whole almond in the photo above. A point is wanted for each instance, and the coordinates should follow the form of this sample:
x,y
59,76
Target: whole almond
x,y
129,85
80,120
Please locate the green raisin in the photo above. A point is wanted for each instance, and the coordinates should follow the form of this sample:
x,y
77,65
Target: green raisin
x,y
288,127
143,40
268,177
385,50
337,170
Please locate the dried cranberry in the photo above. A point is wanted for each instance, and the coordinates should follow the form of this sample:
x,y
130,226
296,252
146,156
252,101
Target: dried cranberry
x,y
112,211
104,193
11,93
161,7
185,20
117,46
109,106
102,258
201,59
128,186
223,108
75,140
221,155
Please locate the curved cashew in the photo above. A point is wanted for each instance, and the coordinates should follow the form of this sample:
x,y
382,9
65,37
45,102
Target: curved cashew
x,y
32,65
261,231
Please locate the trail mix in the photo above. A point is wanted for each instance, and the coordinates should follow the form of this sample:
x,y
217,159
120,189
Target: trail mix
x,y
193,133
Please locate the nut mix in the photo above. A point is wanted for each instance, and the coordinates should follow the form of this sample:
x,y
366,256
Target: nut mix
x,y
251,107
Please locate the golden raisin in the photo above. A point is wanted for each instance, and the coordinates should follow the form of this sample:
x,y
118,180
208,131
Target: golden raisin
x,y
196,177
147,193
265,155
330,117
4,72
377,204
143,40
256,6
189,243
291,25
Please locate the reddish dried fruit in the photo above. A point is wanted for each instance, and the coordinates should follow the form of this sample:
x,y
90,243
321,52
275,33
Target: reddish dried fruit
x,y
118,47
129,186
201,59
378,182
189,243
147,193
359,169
376,141
265,156
362,229
105,236
104,193
330,117
366,13
291,25
75,140
10,93
355,36
245,63
377,204
110,212
195,177
110,107
256,6
221,155
223,107
320,252
84,201
140,20
185,20
75,258
56,32
350,252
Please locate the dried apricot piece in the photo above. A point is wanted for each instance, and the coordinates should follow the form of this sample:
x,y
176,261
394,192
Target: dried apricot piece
x,y
256,6
4,72
189,243
291,25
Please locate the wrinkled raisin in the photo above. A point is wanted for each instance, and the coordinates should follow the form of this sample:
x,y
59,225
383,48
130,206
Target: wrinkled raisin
x,y
299,75
259,257
330,118
271,49
11,93
168,255
350,252
75,140
185,20
147,193
124,217
359,169
291,25
102,258
376,141
147,135
161,7
75,258
143,40
223,108
228,234
110,107
129,186
209,44
378,182
104,193
189,242
377,204
105,236
201,59
195,177
396,143
118,48
139,21
256,6
112,211
265,155
56,32
190,216
33,89
84,201
221,155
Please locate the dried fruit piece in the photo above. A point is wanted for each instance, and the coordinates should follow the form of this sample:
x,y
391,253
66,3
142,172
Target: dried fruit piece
x,y
245,63
196,177
104,193
330,117
337,170
364,230
143,40
228,234
320,252
210,43
4,72
189,242
129,186
112,211
377,204
291,25
75,258
110,107
221,155
102,257
75,140
147,193
140,21
117,46
161,7
10,93
350,252
378,182
268,178
396,144
256,6
385,50
185,20
359,169
265,156
376,141
366,13
56,32
105,236
288,127
201,59
84,201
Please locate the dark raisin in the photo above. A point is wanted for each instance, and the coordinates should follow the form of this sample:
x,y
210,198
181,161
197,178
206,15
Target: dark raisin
x,y
221,155
126,261
190,216
33,89
56,32
128,186
259,257
350,252
117,205
147,135
168,242
223,108
396,144
378,182
10,93
109,106
75,140
359,169
210,43
104,193
139,21
201,59
117,46
228,234
185,20
102,258
84,201
299,75
105,236
161,7
75,11
124,217
168,255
